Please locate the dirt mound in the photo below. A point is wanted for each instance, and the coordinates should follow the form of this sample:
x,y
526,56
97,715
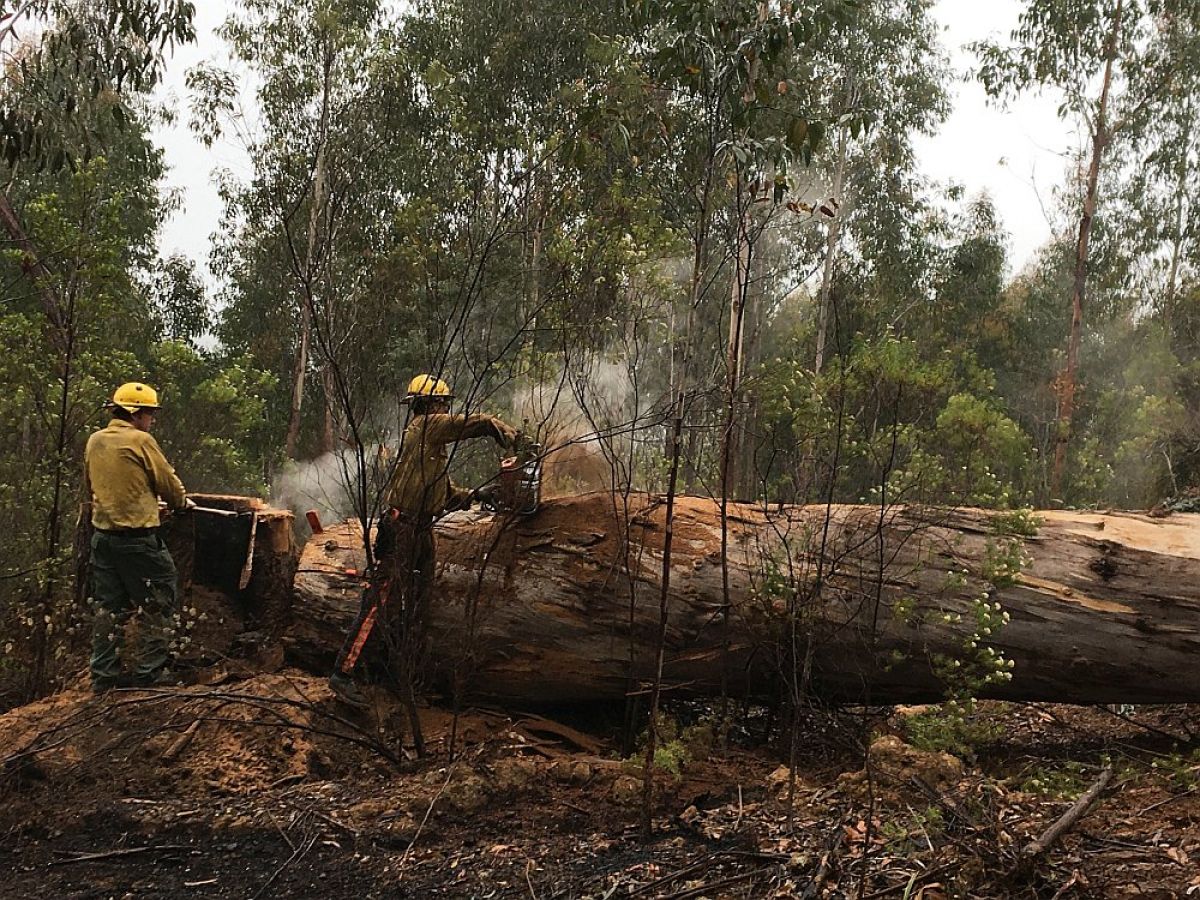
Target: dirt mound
x,y
902,771
186,742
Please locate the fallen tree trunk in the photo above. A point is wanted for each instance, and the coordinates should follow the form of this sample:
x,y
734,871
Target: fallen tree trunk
x,y
899,605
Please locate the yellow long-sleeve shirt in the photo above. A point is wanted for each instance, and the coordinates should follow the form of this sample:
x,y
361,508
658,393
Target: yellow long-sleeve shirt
x,y
421,486
128,473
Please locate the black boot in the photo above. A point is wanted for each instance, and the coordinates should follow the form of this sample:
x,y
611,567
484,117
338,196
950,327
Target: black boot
x,y
346,690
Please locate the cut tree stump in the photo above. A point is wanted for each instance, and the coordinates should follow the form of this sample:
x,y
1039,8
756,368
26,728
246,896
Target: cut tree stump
x,y
563,606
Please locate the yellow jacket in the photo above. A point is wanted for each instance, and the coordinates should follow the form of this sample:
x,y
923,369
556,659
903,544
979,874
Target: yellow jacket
x,y
420,486
128,473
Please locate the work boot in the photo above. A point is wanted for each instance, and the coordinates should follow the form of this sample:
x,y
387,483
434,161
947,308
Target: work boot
x,y
162,677
346,690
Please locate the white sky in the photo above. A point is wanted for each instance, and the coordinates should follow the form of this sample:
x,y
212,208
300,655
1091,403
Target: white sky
x,y
1016,156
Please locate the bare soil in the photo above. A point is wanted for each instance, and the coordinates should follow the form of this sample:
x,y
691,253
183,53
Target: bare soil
x,y
261,785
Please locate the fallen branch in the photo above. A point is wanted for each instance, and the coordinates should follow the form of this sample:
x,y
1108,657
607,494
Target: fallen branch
x,y
1068,819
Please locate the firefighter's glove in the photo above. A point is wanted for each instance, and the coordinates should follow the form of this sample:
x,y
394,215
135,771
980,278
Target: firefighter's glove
x,y
505,434
488,497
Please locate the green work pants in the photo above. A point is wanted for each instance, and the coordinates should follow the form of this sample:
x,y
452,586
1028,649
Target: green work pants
x,y
131,573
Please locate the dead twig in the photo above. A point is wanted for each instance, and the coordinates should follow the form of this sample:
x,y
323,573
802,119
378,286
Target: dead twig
x,y
298,853
697,866
1078,810
714,886
818,882
425,818
529,881
108,854
1171,799
283,834
1142,725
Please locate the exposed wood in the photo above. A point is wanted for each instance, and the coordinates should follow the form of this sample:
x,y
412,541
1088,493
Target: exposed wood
x,y
1106,611
180,743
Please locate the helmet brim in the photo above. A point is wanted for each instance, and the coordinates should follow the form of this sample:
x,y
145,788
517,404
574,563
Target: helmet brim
x,y
135,409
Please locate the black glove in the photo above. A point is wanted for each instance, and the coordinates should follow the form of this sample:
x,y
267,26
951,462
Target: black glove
x,y
488,496
504,434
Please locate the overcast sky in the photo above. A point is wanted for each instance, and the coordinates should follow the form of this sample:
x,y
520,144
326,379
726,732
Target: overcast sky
x,y
1016,156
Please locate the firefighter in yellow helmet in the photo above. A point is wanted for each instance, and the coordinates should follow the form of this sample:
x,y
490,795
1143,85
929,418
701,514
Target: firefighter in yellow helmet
x,y
132,570
418,492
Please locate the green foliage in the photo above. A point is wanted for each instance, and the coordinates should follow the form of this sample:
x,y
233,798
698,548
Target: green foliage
x,y
674,748
1179,771
62,98
912,832
956,726
1022,522
1065,782
893,413
215,429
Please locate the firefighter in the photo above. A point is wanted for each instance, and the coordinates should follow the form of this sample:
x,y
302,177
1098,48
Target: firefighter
x,y
132,570
418,492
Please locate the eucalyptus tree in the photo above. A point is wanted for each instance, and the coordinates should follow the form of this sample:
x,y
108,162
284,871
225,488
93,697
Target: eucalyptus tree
x,y
1157,163
309,64
883,74
1117,64
79,227
738,135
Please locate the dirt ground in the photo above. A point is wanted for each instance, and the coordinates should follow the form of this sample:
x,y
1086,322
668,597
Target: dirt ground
x,y
263,786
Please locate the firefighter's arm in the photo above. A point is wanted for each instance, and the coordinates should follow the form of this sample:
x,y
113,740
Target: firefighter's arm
x,y
459,498
444,428
166,483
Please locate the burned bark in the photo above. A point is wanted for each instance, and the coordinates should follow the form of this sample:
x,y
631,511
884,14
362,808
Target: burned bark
x,y
1105,609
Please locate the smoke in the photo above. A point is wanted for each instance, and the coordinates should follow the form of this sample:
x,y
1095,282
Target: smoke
x,y
589,443
327,484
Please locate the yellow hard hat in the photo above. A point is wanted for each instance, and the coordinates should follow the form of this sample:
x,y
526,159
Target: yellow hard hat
x,y
133,395
428,386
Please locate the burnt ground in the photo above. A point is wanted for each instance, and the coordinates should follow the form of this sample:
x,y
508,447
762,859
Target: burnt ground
x,y
264,787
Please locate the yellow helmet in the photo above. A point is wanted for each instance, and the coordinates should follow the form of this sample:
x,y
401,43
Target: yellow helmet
x,y
428,386
133,395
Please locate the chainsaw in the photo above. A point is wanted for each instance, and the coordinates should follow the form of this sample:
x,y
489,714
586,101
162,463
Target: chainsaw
x,y
519,485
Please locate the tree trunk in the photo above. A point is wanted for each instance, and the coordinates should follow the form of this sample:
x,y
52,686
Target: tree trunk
x,y
319,187
1178,238
832,234
1105,611
36,270
1067,381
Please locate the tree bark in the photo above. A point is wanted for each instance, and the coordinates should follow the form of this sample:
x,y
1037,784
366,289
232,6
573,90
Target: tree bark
x,y
1106,611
